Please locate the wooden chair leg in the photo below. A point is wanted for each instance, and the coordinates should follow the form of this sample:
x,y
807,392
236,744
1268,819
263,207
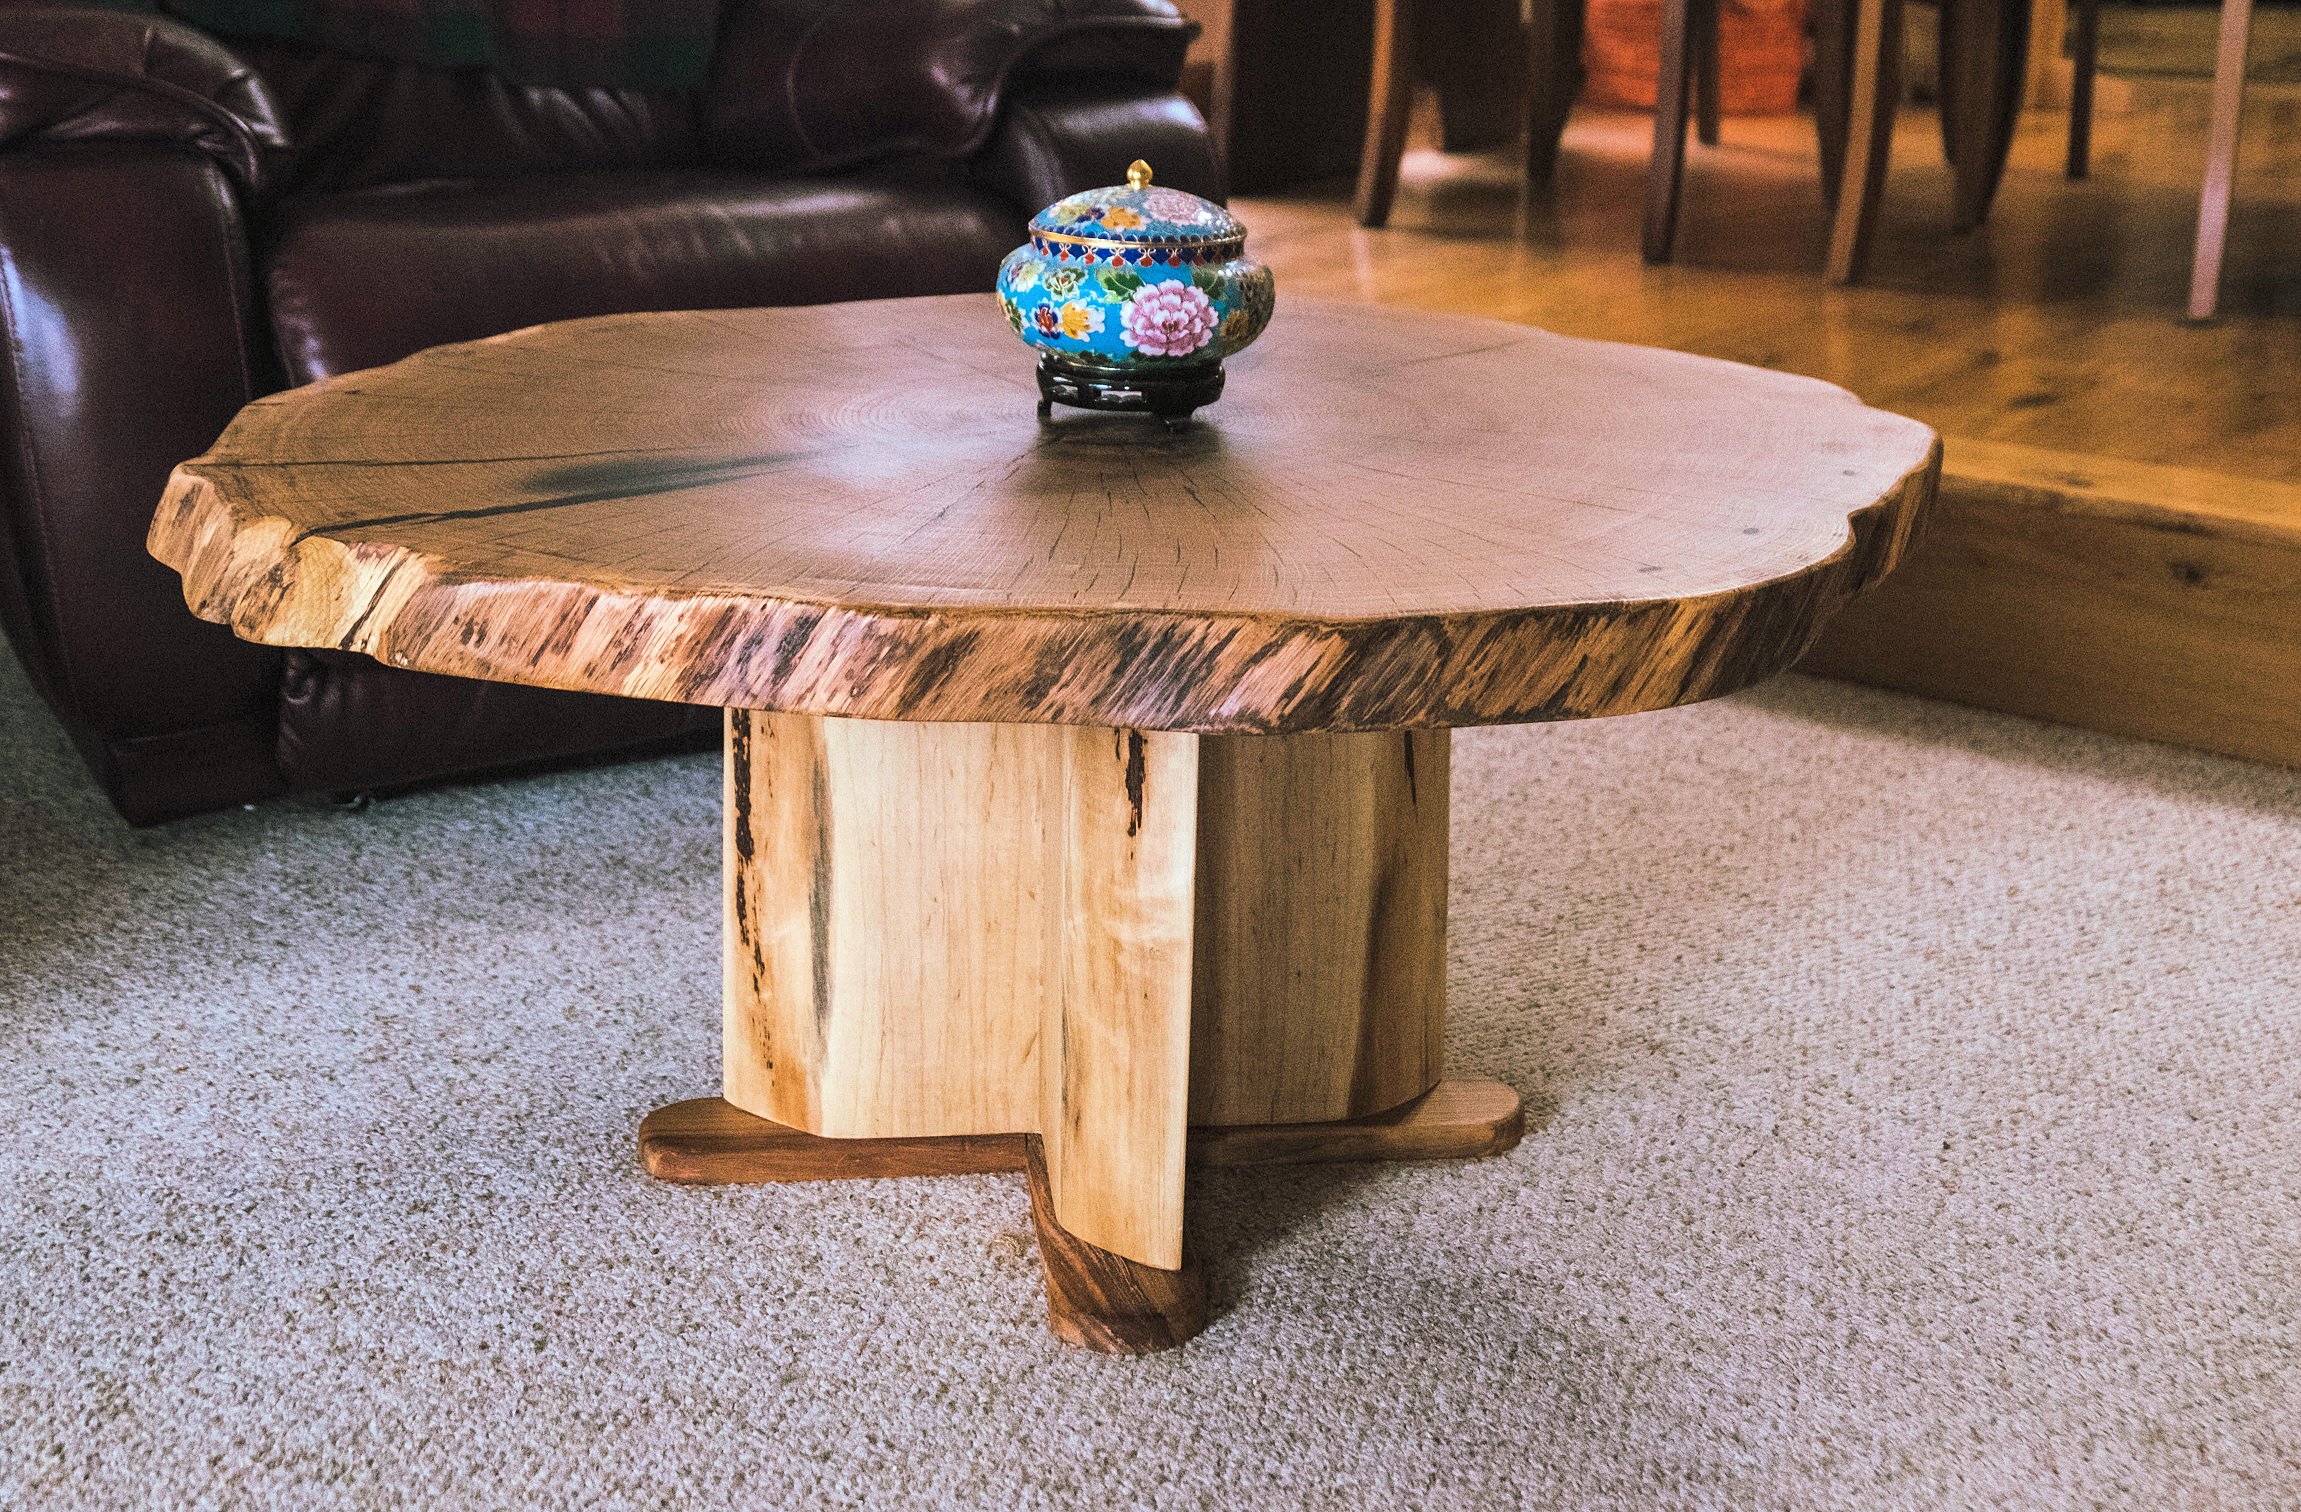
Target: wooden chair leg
x,y
1984,73
1833,55
1553,77
1666,169
1705,47
1945,68
1875,89
1389,101
2220,158
2085,52
1472,55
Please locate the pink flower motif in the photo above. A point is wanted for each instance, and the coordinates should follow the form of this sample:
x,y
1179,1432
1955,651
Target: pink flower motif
x,y
1167,320
1174,205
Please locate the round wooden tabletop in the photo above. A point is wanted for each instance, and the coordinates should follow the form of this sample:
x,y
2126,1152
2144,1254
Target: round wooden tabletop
x,y
1392,519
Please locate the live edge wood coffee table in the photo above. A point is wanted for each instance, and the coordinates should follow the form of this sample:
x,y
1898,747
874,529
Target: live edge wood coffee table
x,y
1086,785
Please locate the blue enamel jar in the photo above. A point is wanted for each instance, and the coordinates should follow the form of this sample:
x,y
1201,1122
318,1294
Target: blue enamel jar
x,y
1134,295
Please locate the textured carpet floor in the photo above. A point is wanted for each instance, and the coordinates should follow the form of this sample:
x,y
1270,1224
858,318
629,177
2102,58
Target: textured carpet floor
x,y
1916,1123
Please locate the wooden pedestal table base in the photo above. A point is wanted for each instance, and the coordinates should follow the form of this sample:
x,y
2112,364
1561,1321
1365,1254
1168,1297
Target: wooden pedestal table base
x,y
1087,780
1091,937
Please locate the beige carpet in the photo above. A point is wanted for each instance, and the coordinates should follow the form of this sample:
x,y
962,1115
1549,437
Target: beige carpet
x,y
1917,1124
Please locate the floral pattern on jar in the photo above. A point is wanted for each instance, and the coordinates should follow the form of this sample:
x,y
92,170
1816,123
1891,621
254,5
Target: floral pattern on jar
x,y
1126,317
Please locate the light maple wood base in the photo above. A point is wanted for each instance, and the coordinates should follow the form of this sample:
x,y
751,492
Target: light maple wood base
x,y
945,940
1095,1299
1097,936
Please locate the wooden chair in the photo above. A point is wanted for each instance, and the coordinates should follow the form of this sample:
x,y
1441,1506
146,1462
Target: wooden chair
x,y
1984,55
1858,87
1689,66
1555,63
1858,51
1858,90
2084,55
1984,75
2220,135
1389,101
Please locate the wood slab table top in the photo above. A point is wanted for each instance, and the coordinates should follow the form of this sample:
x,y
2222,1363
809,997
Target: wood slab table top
x,y
1391,520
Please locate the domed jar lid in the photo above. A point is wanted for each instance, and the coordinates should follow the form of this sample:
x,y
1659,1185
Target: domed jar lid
x,y
1139,224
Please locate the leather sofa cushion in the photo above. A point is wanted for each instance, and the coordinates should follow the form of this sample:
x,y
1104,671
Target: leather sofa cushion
x,y
367,277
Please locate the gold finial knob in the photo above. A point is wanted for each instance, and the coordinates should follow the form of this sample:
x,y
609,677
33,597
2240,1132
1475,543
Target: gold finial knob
x,y
1138,174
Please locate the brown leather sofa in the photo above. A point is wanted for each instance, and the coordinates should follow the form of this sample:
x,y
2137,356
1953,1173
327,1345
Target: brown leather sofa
x,y
188,222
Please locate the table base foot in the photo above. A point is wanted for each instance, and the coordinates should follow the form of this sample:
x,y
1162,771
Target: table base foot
x,y
1095,1299
1104,1302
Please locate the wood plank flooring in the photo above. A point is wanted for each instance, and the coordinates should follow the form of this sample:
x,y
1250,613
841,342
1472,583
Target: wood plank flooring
x,y
2055,325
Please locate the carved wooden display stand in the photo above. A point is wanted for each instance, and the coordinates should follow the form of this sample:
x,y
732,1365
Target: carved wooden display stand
x,y
1086,784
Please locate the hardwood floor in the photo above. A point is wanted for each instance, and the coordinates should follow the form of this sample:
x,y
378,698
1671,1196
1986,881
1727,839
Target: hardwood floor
x,y
2056,325
2119,542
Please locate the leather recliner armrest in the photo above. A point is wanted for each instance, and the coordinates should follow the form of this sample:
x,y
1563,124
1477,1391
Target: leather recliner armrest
x,y
77,73
798,85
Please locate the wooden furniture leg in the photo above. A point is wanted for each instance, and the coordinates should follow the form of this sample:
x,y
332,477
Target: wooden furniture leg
x,y
1833,59
1666,168
1705,49
1948,16
1389,104
1473,55
1127,948
1553,78
1985,59
2049,37
1874,96
1114,1035
2220,158
2085,54
1102,1301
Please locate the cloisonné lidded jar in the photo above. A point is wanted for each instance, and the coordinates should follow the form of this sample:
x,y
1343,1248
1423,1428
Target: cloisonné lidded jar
x,y
1133,296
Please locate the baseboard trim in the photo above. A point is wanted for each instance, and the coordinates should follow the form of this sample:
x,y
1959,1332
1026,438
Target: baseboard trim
x,y
2157,602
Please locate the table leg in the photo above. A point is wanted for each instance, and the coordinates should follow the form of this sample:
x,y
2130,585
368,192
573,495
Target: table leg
x,y
947,941
1666,168
1114,1042
1553,77
1389,106
2220,158
2084,63
1984,70
1874,96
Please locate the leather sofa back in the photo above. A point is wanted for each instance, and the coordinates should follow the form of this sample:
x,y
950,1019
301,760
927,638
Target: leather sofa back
x,y
795,86
798,85
355,122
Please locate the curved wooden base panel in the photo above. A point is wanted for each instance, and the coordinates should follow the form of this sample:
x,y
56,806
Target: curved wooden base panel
x,y
1462,1118
708,1141
1095,1299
